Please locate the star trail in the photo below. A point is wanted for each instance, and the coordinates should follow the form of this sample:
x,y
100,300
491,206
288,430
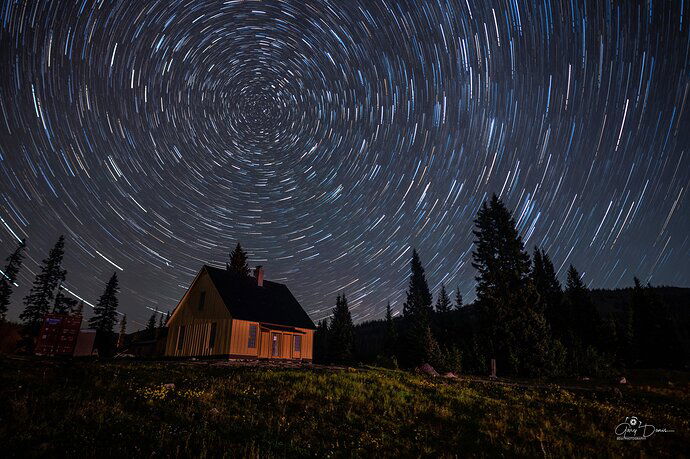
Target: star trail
x,y
332,137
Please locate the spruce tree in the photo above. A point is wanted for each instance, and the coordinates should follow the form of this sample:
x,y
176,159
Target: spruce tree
x,y
151,324
160,321
105,317
418,305
513,330
417,312
443,305
39,300
583,317
79,309
321,342
9,276
549,290
458,298
105,312
238,261
341,332
63,303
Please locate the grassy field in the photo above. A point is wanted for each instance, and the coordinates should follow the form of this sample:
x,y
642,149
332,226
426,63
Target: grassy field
x,y
52,408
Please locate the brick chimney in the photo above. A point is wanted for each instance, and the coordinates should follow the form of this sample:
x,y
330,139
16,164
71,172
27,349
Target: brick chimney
x,y
259,274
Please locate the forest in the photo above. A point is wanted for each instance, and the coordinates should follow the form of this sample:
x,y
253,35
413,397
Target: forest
x,y
523,318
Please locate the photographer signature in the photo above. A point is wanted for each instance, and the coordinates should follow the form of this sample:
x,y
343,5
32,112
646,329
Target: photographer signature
x,y
633,428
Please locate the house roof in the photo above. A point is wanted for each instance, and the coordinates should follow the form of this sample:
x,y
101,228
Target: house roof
x,y
273,303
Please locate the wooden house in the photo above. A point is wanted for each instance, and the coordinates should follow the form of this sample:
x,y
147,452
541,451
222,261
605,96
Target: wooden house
x,y
237,317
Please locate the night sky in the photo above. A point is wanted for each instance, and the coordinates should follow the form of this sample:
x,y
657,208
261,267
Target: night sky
x,y
332,137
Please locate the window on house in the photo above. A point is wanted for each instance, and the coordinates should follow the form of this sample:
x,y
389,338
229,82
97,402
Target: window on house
x,y
252,337
202,300
298,343
212,336
180,338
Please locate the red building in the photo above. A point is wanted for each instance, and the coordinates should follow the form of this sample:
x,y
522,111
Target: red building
x,y
58,335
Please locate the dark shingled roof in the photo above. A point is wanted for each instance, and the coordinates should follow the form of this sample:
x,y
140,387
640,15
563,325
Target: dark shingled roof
x,y
273,303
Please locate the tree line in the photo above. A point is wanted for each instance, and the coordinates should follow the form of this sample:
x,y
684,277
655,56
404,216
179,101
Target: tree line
x,y
522,317
48,295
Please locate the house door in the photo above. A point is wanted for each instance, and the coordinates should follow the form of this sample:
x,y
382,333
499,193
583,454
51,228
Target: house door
x,y
297,347
275,344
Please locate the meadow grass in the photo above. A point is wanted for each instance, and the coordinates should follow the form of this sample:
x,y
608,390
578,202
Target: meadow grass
x,y
87,408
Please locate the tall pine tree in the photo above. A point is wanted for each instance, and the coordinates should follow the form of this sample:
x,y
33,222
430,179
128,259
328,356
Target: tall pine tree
x,y
443,305
549,290
40,298
238,261
63,303
513,330
417,312
321,342
9,276
341,333
458,298
105,316
105,312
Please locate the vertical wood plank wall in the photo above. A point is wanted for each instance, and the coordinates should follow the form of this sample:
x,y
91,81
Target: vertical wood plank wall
x,y
232,336
198,323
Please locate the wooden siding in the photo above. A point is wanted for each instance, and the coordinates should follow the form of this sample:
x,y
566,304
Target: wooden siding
x,y
197,322
231,337
264,342
239,344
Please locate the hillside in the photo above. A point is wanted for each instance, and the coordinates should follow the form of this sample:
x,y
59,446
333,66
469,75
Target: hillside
x,y
203,409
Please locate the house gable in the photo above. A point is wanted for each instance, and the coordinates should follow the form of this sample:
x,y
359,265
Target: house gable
x,y
201,323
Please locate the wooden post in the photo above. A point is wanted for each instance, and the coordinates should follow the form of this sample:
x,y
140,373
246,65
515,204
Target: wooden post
x,y
493,368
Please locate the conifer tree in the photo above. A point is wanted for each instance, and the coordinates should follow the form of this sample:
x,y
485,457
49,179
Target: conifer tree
x,y
160,321
417,312
341,333
9,276
513,330
151,324
443,305
238,261
549,290
39,300
458,298
105,316
79,309
63,303
105,312
418,303
582,315
321,342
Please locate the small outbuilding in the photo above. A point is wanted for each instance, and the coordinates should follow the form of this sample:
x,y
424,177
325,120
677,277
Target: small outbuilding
x,y
224,314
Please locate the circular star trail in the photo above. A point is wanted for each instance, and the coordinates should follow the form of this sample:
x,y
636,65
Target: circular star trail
x,y
331,137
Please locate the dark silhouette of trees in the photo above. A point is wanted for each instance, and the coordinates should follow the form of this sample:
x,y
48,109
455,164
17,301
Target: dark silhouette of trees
x,y
513,328
238,261
443,305
458,298
14,263
38,302
104,316
63,303
321,342
151,324
340,333
549,290
417,312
